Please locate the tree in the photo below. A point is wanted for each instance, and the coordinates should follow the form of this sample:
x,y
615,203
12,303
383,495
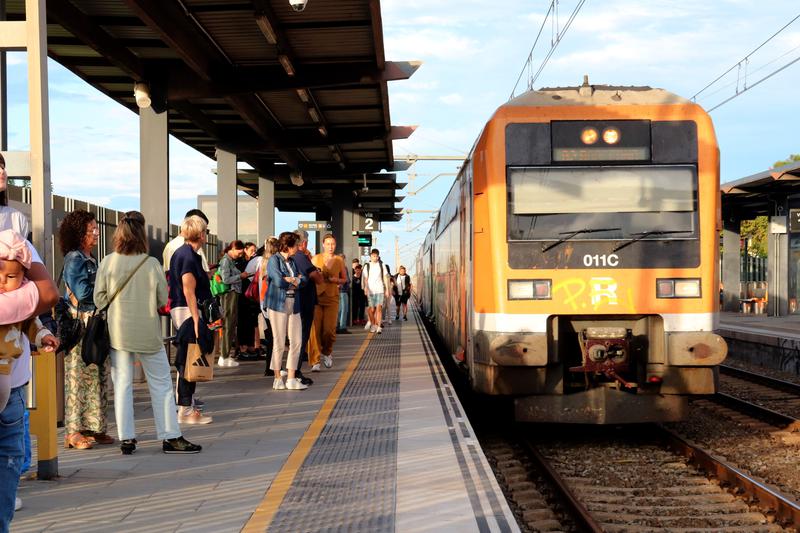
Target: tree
x,y
794,158
756,230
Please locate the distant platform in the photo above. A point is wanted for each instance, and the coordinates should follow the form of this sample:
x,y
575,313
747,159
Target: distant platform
x,y
773,342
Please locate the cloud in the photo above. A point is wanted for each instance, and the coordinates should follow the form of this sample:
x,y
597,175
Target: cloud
x,y
429,43
451,99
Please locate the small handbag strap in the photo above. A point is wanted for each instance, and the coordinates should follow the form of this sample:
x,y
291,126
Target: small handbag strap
x,y
146,257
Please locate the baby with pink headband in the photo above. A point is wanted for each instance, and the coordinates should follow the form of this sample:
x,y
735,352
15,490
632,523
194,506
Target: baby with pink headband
x,y
15,260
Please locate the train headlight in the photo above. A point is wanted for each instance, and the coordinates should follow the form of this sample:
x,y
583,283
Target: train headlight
x,y
589,136
678,288
529,289
611,135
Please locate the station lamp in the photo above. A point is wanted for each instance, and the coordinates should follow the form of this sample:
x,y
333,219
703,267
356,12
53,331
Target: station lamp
x,y
141,92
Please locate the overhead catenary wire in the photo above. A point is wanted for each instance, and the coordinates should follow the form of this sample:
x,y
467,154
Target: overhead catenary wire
x,y
558,36
745,60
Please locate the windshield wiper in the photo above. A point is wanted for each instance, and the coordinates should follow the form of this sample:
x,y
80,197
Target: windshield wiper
x,y
644,234
570,234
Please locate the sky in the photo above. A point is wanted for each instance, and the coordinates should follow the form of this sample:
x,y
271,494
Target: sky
x,y
473,52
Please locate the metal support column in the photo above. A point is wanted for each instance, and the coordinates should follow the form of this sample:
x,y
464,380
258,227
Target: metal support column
x,y
39,116
731,275
778,260
323,213
154,177
227,209
3,89
342,222
266,208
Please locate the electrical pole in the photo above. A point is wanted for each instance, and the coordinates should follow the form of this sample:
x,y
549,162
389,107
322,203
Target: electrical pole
x,y
396,253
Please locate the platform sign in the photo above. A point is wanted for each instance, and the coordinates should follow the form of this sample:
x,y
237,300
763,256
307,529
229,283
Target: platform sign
x,y
314,225
794,220
366,222
364,239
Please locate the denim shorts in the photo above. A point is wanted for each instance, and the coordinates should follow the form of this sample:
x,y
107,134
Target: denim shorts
x,y
375,299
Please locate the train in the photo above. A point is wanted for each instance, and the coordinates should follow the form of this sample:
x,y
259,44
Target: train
x,y
573,266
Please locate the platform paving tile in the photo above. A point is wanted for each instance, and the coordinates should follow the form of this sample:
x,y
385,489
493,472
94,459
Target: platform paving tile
x,y
254,431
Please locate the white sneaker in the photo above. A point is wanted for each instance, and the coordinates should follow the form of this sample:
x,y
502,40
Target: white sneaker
x,y
368,325
379,331
373,329
278,385
227,362
294,384
284,373
327,360
190,415
17,504
315,368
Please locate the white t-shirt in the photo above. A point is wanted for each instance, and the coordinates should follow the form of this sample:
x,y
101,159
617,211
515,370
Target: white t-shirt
x,y
173,245
375,281
10,218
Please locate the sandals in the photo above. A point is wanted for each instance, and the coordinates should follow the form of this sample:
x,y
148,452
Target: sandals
x,y
77,441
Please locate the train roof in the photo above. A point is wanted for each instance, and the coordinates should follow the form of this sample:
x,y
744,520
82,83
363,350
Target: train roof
x,y
596,95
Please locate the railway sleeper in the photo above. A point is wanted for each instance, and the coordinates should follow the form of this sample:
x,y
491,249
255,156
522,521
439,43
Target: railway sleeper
x,y
719,521
689,499
763,528
698,509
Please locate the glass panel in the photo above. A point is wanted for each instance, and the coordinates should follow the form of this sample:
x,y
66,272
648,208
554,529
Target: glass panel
x,y
601,190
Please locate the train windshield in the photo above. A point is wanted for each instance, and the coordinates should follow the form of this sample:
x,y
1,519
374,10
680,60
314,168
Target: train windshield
x,y
546,202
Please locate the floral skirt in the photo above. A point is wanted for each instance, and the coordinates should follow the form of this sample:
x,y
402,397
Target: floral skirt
x,y
85,394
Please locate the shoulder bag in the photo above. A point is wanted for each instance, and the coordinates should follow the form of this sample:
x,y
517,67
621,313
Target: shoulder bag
x,y
96,343
68,327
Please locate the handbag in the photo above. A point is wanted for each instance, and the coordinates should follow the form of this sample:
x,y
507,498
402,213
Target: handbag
x,y
252,292
217,287
211,312
199,366
68,328
96,343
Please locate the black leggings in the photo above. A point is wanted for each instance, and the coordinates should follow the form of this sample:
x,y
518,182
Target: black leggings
x,y
185,389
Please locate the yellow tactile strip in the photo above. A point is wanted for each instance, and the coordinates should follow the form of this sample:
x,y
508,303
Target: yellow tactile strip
x,y
266,510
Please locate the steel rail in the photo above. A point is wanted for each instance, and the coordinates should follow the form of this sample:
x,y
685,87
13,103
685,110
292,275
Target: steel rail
x,y
780,384
786,510
579,513
789,423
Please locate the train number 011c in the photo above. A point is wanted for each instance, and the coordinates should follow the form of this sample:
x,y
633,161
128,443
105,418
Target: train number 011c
x,y
597,260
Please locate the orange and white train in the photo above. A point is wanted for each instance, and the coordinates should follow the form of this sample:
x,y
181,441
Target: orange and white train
x,y
573,264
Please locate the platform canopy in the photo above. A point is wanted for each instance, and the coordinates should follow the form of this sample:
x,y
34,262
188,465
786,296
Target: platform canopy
x,y
749,197
285,91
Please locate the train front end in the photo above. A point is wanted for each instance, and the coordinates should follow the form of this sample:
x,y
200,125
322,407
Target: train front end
x,y
595,253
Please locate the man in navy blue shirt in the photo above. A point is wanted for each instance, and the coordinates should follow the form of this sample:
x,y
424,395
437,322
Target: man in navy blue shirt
x,y
308,296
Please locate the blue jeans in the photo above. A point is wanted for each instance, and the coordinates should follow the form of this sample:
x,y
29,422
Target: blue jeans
x,y
12,452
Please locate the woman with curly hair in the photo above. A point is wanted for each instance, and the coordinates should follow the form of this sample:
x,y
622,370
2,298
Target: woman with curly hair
x,y
85,395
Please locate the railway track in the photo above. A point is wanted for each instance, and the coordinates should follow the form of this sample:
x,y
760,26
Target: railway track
x,y
772,400
655,484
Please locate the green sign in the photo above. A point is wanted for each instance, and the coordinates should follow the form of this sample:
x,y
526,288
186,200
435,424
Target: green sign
x,y
365,239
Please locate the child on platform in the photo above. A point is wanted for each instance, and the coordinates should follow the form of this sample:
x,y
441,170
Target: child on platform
x,y
15,260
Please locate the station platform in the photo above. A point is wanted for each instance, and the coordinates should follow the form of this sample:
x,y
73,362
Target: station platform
x,y
772,342
378,443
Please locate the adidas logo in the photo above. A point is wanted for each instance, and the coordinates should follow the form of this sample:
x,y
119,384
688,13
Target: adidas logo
x,y
201,361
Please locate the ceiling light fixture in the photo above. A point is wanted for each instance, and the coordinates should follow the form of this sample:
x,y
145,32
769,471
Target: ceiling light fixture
x,y
296,178
266,28
141,93
286,63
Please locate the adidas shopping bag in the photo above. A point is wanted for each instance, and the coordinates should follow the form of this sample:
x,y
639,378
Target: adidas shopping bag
x,y
199,366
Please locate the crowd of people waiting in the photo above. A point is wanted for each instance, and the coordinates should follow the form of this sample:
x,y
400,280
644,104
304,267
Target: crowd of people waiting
x,y
278,291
